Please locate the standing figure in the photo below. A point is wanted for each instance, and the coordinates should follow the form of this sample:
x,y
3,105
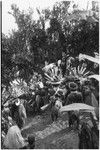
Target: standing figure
x,y
75,96
85,137
31,141
39,103
73,120
56,105
14,139
54,113
37,100
22,112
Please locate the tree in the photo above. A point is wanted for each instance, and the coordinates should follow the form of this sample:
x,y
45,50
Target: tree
x,y
27,48
6,65
84,38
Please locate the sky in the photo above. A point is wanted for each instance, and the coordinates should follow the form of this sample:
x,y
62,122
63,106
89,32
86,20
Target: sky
x,y
8,22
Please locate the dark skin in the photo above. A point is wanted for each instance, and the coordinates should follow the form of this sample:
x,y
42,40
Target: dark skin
x,y
72,119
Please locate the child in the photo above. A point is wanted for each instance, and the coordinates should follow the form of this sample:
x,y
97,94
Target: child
x,y
73,120
31,141
54,113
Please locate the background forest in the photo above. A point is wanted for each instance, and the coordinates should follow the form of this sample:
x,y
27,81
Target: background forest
x,y
27,50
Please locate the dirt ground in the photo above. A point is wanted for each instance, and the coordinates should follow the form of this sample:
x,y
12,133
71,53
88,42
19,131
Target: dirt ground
x,y
51,135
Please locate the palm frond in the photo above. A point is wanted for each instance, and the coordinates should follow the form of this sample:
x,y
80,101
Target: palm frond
x,y
82,71
53,74
86,73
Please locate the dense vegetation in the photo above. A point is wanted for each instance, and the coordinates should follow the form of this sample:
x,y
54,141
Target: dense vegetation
x,y
27,49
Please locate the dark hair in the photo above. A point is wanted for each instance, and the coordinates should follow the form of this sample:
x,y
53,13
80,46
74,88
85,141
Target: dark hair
x,y
31,139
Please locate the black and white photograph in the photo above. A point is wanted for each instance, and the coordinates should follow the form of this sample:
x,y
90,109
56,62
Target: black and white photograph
x,y
49,74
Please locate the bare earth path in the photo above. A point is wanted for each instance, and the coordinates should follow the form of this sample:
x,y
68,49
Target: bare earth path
x,y
51,135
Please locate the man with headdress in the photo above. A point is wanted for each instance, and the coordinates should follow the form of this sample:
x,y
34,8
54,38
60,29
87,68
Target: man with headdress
x,y
75,96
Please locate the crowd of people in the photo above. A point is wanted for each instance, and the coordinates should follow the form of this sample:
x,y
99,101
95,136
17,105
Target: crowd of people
x,y
86,131
69,91
16,117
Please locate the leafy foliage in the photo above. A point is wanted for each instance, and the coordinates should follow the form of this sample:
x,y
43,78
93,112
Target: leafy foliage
x,y
53,74
27,49
84,38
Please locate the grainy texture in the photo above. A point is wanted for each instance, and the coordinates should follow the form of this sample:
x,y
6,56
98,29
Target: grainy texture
x,y
51,135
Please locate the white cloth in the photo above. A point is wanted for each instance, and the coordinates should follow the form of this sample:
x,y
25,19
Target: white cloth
x,y
14,139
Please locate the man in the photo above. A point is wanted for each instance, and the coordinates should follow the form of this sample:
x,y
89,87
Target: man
x,y
74,119
85,139
75,96
58,102
31,141
56,105
22,112
39,102
14,139
54,113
